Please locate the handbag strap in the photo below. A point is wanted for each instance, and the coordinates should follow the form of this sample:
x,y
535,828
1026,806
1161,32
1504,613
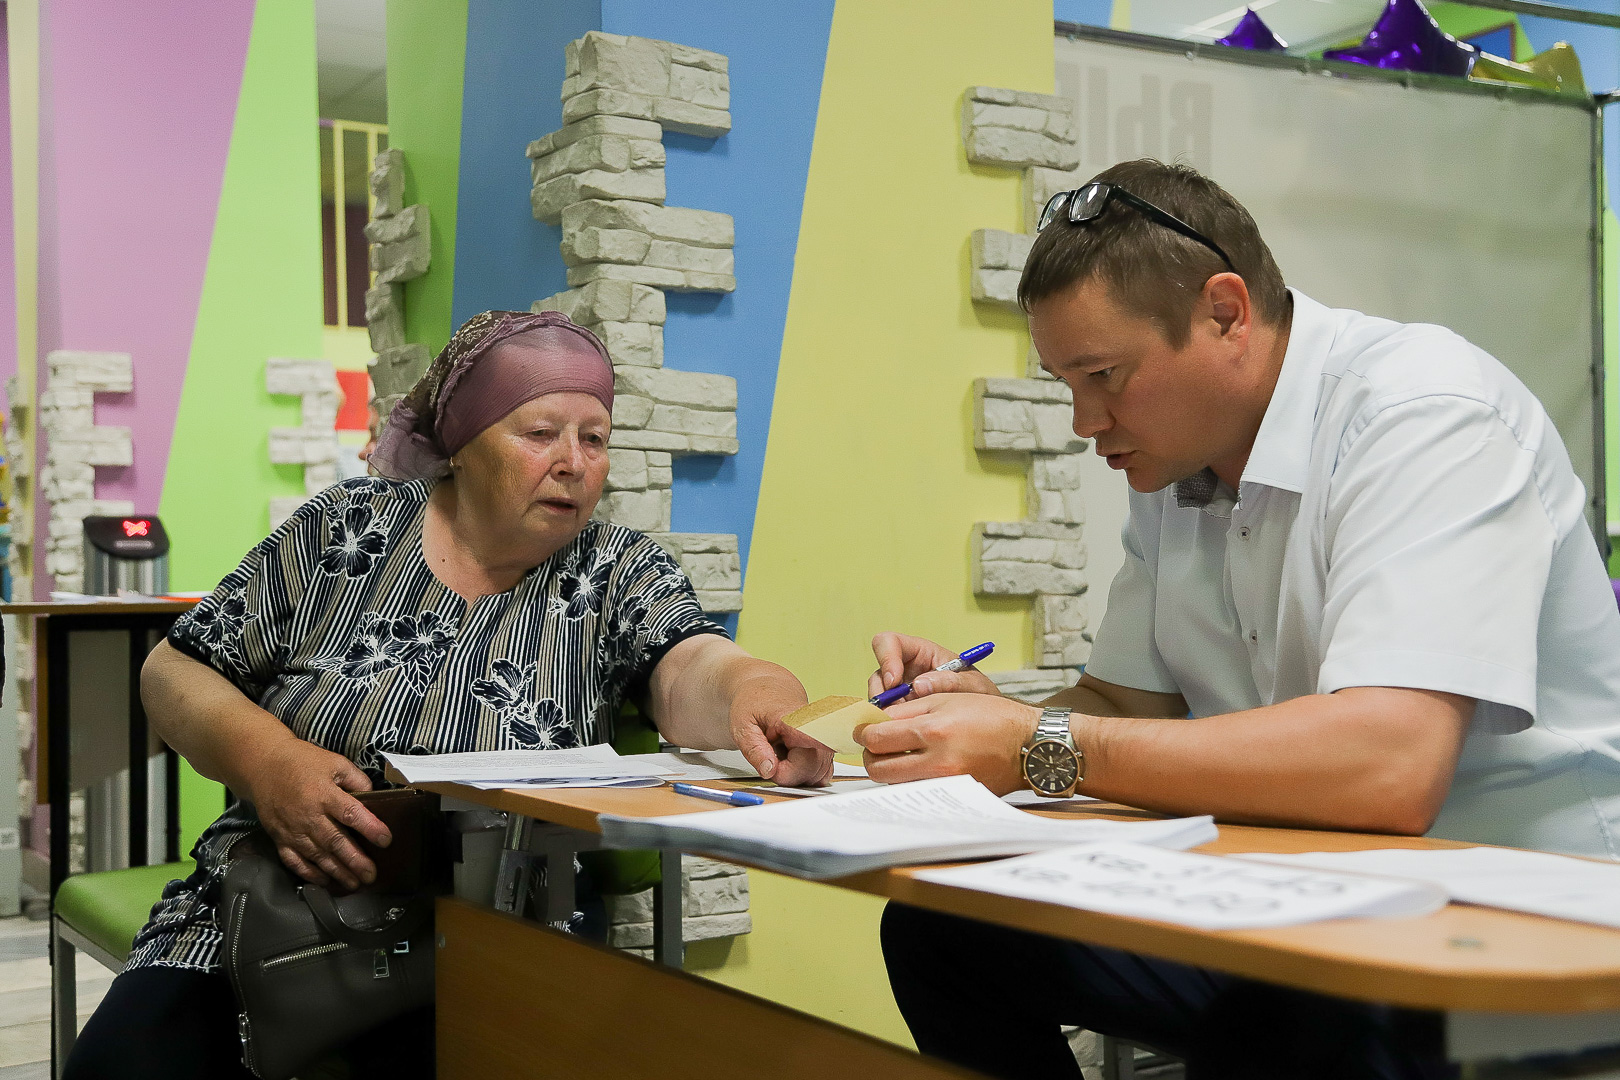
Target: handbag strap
x,y
413,915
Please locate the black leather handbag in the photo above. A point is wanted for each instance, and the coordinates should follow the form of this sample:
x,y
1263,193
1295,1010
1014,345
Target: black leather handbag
x,y
313,971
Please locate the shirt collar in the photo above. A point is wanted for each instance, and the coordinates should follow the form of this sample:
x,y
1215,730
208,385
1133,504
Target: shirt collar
x,y
1281,455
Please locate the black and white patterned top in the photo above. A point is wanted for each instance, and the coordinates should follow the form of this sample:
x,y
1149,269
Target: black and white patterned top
x,y
336,625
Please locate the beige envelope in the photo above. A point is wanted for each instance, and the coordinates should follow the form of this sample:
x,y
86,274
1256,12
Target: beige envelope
x,y
833,721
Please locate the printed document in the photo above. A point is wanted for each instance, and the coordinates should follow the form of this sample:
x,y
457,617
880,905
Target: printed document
x,y
1559,886
514,768
953,817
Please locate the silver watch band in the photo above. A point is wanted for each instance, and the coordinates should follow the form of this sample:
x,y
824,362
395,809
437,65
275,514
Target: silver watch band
x,y
1054,724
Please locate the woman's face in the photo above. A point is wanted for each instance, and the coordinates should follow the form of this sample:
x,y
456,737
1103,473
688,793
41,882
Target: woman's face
x,y
539,470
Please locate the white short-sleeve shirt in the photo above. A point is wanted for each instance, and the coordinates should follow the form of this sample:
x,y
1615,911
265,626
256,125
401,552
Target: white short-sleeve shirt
x,y
1408,517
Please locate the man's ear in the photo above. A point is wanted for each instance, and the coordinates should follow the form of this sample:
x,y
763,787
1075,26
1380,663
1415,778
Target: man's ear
x,y
1229,305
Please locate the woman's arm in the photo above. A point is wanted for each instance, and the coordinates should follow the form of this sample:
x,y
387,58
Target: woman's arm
x,y
707,693
301,792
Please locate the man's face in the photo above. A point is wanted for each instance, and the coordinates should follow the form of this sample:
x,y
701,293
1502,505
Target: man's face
x,y
1159,413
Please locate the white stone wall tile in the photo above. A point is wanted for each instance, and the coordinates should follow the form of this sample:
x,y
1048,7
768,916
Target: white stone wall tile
x,y
701,228
609,61
700,87
679,256
604,245
388,183
719,603
631,412
643,275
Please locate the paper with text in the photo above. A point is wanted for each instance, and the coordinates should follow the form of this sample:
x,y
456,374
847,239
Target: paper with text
x,y
1210,892
519,766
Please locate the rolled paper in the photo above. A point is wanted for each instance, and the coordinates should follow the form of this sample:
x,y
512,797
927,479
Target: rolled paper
x,y
1406,38
833,721
1499,72
1251,32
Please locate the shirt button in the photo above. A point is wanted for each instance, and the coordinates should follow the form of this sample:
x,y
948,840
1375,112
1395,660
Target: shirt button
x,y
1244,532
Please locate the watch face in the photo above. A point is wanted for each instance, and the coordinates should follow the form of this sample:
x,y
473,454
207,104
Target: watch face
x,y
1051,767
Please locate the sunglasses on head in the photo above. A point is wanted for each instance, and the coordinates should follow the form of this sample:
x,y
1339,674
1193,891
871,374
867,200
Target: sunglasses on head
x,y
1088,203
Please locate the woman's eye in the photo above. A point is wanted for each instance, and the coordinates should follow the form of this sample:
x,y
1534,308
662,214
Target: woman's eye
x,y
1102,373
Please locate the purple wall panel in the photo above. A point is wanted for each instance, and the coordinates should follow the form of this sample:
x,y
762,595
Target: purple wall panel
x,y
137,103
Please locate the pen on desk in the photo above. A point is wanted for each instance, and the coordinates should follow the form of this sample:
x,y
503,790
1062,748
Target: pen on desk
x,y
735,798
968,658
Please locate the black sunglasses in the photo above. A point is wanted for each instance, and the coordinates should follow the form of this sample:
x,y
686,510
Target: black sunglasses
x,y
1088,203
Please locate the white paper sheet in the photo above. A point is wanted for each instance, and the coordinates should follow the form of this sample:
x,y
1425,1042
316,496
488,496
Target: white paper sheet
x,y
1559,886
1207,891
568,782
519,766
953,817
698,765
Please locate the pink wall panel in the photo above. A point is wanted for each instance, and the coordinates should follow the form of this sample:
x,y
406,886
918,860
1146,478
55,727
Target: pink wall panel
x,y
136,108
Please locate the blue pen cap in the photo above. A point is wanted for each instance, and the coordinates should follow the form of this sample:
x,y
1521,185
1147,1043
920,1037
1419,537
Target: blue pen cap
x,y
977,653
889,697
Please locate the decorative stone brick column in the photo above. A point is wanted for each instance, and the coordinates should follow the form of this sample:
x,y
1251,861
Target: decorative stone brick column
x,y
1042,557
401,249
601,178
74,447
314,443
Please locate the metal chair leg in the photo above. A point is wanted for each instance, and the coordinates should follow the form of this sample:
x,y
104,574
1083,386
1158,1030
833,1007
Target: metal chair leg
x,y
64,999
1119,1059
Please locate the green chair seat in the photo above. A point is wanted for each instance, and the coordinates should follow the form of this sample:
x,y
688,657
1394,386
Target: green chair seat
x,y
110,907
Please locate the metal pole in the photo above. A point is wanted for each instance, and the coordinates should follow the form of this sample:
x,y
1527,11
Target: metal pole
x,y
668,946
58,773
340,225
139,815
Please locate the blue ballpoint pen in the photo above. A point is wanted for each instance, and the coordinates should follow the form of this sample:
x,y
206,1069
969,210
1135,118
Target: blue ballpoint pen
x,y
735,798
968,658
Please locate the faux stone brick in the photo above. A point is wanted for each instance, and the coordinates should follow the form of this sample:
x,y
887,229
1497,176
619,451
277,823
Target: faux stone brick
x,y
627,470
711,444
644,511
654,276
659,476
1055,492
606,302
1034,685
603,245
91,446
1054,429
549,199
1047,391
388,183
301,446
668,386
410,222
713,572
670,113
996,95
1028,559
702,228
407,258
628,127
630,412
1068,649
395,371
1024,579
701,281
108,372
702,928
633,344
719,603
678,256
689,119
1059,615
995,286
1055,124
385,317
603,153
317,478
294,377
66,409
999,424
686,421
679,544
320,410
666,441
698,58
708,88
995,249
1014,149
616,62
717,895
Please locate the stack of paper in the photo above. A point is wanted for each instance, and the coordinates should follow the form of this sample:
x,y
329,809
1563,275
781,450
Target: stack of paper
x,y
1206,891
1532,881
586,766
954,817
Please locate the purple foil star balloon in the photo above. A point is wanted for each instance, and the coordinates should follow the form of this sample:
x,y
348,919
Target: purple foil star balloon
x,y
1251,32
1406,38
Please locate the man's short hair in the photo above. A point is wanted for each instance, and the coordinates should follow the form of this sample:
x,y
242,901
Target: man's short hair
x,y
1154,271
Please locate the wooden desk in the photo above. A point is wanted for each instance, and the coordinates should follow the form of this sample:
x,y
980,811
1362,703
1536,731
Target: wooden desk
x,y
52,625
1509,983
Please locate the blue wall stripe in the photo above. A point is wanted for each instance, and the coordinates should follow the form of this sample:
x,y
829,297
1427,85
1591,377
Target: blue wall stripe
x,y
510,97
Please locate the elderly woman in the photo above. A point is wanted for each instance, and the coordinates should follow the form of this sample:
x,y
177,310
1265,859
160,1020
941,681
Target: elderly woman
x,y
467,602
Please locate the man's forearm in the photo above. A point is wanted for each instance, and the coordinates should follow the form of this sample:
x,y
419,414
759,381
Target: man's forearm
x,y
1368,759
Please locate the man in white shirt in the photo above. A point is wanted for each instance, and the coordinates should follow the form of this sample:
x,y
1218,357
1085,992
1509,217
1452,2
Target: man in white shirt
x,y
1359,592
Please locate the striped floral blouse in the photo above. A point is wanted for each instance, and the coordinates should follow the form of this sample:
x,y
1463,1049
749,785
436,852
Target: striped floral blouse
x,y
336,626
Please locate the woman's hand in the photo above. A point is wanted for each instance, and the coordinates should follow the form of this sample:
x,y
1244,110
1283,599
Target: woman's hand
x,y
902,658
949,735
777,751
302,795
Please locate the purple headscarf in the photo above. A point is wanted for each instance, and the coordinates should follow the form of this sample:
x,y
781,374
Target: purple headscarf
x,y
496,362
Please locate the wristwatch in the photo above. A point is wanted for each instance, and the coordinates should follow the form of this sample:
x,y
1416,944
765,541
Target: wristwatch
x,y
1052,765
